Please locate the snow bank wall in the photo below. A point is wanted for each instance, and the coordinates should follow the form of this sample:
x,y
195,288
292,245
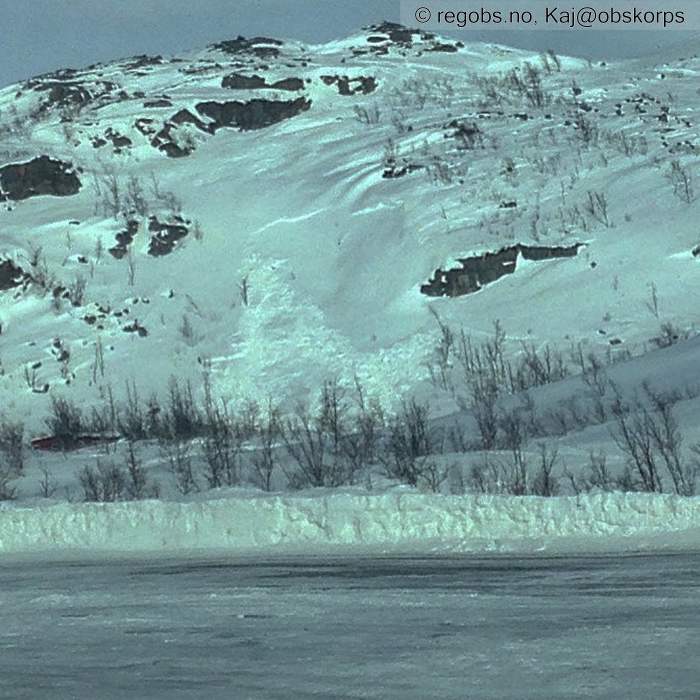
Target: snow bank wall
x,y
388,521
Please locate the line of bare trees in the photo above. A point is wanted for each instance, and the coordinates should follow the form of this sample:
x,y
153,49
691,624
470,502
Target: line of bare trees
x,y
343,436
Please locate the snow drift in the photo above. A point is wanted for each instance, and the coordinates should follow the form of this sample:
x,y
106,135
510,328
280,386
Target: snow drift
x,y
393,521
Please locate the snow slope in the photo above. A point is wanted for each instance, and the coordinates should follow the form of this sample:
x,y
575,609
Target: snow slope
x,y
331,253
268,215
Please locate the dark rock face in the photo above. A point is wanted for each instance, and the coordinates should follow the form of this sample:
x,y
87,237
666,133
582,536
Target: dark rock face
x,y
62,94
40,176
184,116
119,141
290,84
11,275
481,270
351,86
73,93
201,69
445,48
136,327
158,102
397,33
166,235
143,125
255,114
124,240
60,74
253,46
143,61
388,35
236,81
163,139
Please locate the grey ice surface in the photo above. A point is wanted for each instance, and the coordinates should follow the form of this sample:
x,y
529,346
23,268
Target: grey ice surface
x,y
395,627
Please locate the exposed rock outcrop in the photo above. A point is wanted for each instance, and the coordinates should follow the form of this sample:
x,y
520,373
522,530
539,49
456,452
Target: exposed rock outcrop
x,y
124,240
11,275
237,81
255,114
476,272
166,235
40,176
259,46
362,85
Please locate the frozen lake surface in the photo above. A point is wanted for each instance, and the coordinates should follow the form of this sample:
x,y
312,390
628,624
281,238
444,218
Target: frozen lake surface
x,y
468,627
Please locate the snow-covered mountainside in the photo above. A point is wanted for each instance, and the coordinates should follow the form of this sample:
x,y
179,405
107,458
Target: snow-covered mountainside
x,y
479,266
284,213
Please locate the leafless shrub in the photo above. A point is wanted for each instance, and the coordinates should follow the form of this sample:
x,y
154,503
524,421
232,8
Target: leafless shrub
x,y
306,444
536,368
483,406
39,272
65,422
12,446
315,441
681,180
11,457
440,372
513,439
593,372
670,335
485,477
653,303
108,190
137,486
368,115
668,441
545,483
633,437
433,475
7,492
47,484
626,145
105,483
178,454
597,206
647,433
187,331
248,418
98,363
586,131
131,267
169,200
134,197
76,290
532,87
31,377
597,476
182,418
599,473
264,457
132,420
412,445
221,447
368,421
